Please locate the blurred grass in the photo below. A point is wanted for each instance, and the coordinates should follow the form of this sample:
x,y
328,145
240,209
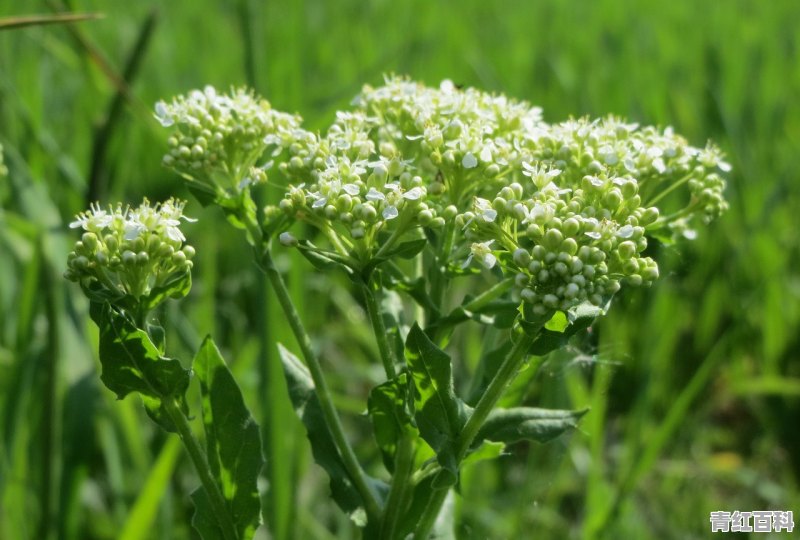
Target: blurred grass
x,y
693,384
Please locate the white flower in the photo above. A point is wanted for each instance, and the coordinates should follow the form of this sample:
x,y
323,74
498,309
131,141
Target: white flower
x,y
94,220
483,253
484,209
539,175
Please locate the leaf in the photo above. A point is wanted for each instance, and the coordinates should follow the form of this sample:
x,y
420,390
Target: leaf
x,y
580,318
391,416
527,423
485,451
440,415
326,455
489,363
8,23
499,313
405,250
203,519
132,363
321,259
233,439
177,286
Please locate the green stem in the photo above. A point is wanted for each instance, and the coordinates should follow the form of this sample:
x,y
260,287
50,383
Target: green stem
x,y
508,370
320,386
375,317
404,463
495,292
215,497
670,189
438,278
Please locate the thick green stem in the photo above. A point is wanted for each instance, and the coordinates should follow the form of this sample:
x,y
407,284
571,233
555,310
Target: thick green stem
x,y
404,463
375,317
215,497
320,387
507,372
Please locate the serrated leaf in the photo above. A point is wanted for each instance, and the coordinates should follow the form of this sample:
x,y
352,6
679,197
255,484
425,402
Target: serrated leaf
x,y
177,286
132,363
326,455
527,423
233,439
439,414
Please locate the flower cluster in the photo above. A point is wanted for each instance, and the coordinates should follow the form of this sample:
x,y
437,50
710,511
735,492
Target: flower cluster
x,y
464,139
564,207
218,139
130,251
682,179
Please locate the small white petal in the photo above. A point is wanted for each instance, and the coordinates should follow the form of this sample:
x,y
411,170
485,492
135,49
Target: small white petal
x,y
486,154
724,166
413,194
390,212
351,189
320,202
469,161
625,231
375,195
489,260
593,234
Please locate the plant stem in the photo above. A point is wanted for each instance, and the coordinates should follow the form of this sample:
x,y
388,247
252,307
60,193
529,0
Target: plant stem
x,y
320,386
203,469
670,189
438,278
495,292
374,311
508,370
404,463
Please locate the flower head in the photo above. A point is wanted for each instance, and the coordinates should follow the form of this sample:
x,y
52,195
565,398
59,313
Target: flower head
x,y
130,251
218,139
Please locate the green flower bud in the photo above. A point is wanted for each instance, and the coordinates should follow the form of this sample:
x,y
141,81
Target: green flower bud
x,y
626,249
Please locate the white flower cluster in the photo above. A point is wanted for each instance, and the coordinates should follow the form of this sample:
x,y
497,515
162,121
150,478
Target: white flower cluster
x,y
565,207
130,250
462,138
218,139
659,161
353,187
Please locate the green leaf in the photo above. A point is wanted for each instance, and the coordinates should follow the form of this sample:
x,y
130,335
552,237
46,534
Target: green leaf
x,y
580,318
132,363
527,423
489,363
203,519
326,455
408,249
485,451
440,415
177,286
233,439
388,407
321,259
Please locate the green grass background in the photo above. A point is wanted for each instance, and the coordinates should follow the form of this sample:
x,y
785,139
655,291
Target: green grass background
x,y
694,384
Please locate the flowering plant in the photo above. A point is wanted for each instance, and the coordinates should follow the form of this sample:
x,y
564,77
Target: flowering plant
x,y
410,193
